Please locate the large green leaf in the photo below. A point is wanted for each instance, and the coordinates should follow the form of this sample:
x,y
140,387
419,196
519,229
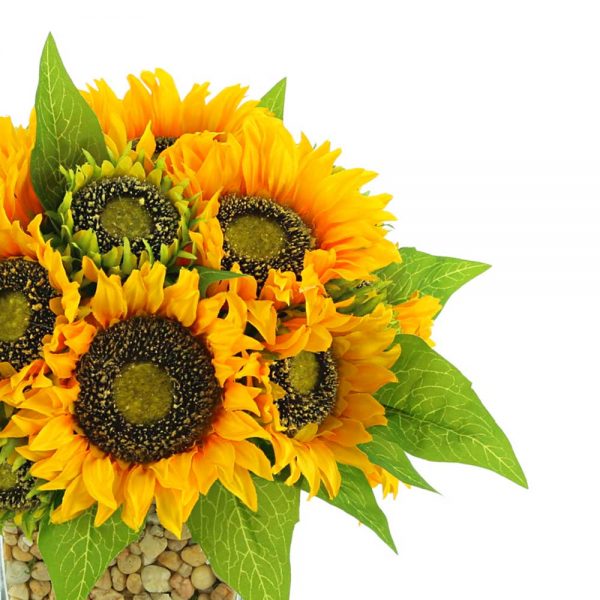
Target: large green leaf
x,y
274,99
66,126
439,276
437,415
385,450
249,550
356,498
77,553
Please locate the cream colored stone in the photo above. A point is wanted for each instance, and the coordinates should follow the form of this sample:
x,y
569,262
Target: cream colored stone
x,y
98,594
16,572
156,579
160,596
9,528
170,560
157,531
176,545
105,582
185,570
7,551
203,577
203,597
39,571
18,554
24,543
142,596
134,583
152,546
193,555
128,563
118,579
135,548
11,539
19,591
36,551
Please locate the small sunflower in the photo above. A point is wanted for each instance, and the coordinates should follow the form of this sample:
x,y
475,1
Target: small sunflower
x,y
273,204
154,99
320,403
36,296
121,214
18,201
415,316
149,402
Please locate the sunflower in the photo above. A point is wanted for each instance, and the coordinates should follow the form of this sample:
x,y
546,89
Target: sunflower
x,y
36,297
320,404
268,204
121,214
17,198
149,403
153,99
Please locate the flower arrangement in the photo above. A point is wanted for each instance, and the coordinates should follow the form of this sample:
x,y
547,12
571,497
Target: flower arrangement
x,y
202,316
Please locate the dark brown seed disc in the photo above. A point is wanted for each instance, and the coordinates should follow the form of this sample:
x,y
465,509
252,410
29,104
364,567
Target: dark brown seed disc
x,y
310,382
105,371
260,234
25,294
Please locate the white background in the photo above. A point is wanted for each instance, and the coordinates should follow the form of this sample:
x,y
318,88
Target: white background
x,y
483,119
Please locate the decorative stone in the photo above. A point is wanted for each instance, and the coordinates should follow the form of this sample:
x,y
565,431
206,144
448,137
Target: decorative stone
x,y
39,589
134,583
160,596
105,582
11,539
98,594
176,545
170,560
128,563
40,572
221,592
118,579
135,548
157,530
16,572
185,570
182,586
19,591
24,543
18,554
203,597
36,551
151,547
156,579
203,578
193,555
142,596
7,550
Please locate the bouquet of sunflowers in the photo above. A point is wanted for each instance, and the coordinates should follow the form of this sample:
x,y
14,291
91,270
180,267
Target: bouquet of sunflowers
x,y
201,317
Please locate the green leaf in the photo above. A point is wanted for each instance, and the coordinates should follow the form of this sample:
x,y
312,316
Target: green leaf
x,y
437,415
77,553
66,126
356,498
274,99
385,450
208,276
439,276
249,550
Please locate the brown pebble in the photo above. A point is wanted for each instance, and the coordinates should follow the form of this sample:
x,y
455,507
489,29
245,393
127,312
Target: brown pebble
x,y
157,531
7,552
36,551
11,539
19,591
18,554
98,594
185,570
134,583
170,560
135,548
176,545
118,579
24,543
182,586
142,596
39,589
193,555
39,571
203,578
105,582
203,597
9,528
128,563
221,592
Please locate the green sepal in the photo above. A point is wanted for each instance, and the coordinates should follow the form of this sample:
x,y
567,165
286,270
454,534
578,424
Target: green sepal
x,y
209,276
249,550
439,276
77,553
358,297
65,126
274,99
437,416
356,497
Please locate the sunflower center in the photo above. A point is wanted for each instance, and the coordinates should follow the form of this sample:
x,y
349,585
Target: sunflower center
x,y
25,314
119,207
147,389
8,479
261,234
310,382
14,314
255,238
143,393
126,217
